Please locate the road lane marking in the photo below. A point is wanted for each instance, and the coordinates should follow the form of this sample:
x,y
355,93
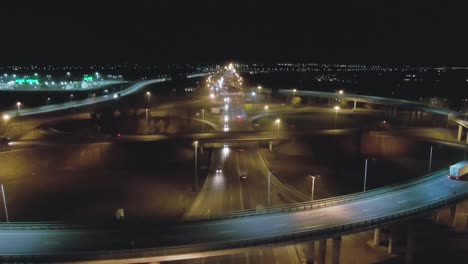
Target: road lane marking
x,y
402,201
310,227
280,225
226,231
367,209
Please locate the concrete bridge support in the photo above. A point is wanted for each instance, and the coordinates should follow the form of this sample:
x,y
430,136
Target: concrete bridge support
x,y
452,216
377,232
410,243
436,217
460,131
309,250
335,250
418,115
320,251
391,241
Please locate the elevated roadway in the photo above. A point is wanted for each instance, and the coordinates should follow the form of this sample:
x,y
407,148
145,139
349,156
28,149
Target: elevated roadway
x,y
191,239
455,116
224,233
84,102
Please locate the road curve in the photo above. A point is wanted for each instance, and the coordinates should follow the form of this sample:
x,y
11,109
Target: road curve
x,y
84,102
166,242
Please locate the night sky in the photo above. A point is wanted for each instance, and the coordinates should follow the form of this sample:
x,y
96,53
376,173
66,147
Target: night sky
x,y
378,32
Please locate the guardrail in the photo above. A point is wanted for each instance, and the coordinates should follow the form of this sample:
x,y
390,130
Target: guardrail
x,y
323,202
310,205
164,253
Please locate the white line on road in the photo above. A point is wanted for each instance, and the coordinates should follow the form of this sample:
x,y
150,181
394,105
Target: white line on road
x,y
280,225
367,209
402,201
310,227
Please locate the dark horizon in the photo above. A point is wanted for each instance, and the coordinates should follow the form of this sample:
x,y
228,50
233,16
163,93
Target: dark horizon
x,y
164,32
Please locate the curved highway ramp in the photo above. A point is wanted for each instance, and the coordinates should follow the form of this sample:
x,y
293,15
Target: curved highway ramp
x,y
192,239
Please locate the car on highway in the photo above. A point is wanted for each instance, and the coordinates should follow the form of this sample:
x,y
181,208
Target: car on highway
x,y
5,142
243,176
219,170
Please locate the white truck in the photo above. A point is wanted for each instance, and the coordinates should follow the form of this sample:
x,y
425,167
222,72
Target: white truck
x,y
458,170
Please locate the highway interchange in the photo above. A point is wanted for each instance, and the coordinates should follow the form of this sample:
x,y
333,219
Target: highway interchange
x,y
225,192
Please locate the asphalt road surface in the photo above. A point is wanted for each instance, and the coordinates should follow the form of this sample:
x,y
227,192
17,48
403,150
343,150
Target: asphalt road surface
x,y
237,230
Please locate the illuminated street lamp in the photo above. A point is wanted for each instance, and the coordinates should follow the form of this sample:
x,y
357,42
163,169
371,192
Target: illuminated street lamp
x,y
195,145
148,95
313,186
278,121
212,97
266,109
340,92
18,104
337,108
6,118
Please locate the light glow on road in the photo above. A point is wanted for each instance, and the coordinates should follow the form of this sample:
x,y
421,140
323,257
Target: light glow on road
x,y
225,152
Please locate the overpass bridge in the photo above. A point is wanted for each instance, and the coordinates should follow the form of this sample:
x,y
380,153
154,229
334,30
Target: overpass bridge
x,y
222,234
150,242
459,119
84,102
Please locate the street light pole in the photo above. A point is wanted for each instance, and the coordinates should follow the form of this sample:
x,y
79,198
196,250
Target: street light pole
x,y
278,121
259,90
195,187
365,177
336,113
203,123
6,117
266,108
269,190
430,161
5,204
313,188
18,104
446,126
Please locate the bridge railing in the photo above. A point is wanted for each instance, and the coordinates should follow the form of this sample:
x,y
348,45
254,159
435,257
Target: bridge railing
x,y
317,233
322,202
